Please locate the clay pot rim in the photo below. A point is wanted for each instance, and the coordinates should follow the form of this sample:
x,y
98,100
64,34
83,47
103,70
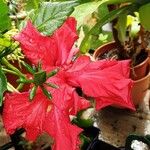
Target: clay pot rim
x,y
98,49
113,42
136,81
147,59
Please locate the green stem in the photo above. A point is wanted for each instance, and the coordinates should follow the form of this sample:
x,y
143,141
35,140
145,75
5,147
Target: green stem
x,y
9,71
119,1
20,86
52,73
24,80
11,88
5,62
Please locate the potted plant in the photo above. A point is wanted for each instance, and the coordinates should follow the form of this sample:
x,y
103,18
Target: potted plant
x,y
127,35
132,38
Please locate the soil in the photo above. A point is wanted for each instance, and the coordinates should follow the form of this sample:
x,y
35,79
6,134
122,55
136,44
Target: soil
x,y
141,57
114,55
110,55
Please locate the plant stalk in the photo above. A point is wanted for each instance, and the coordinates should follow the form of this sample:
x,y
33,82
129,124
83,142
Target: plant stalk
x,y
10,66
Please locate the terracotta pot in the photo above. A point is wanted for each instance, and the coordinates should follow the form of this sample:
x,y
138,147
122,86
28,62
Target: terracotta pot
x,y
140,88
137,72
140,73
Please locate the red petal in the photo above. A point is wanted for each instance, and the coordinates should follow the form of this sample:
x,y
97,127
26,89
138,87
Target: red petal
x,y
107,81
66,96
78,104
65,134
40,116
65,37
19,112
51,51
37,47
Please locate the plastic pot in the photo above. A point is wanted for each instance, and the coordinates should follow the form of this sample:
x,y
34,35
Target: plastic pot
x,y
92,133
15,141
101,145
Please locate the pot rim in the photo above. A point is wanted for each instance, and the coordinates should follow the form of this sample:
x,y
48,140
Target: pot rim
x,y
139,80
95,52
113,42
143,62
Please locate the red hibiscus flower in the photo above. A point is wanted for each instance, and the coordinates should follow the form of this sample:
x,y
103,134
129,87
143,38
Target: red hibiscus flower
x,y
106,81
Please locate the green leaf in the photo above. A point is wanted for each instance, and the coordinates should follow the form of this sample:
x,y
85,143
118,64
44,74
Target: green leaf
x,y
95,39
32,4
5,22
5,42
28,67
84,118
51,15
144,12
112,15
3,85
46,93
6,48
107,18
52,85
103,38
86,46
52,73
6,51
84,1
102,10
82,11
32,93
